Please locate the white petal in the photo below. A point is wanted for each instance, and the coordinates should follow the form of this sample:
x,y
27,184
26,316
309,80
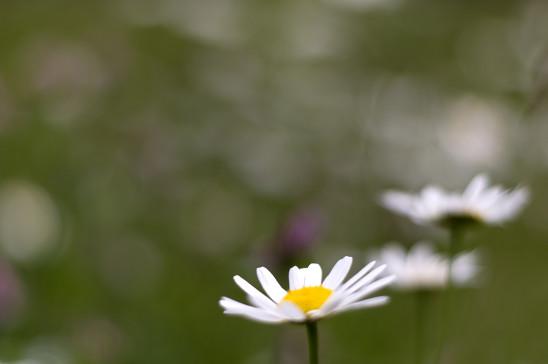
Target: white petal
x,y
509,205
490,197
371,302
421,252
332,302
465,268
317,314
255,316
394,256
233,307
313,276
373,287
367,279
358,275
338,273
341,293
296,278
432,196
398,201
476,187
229,303
258,297
270,284
291,311
519,197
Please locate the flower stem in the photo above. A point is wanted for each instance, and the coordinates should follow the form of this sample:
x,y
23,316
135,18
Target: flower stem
x,y
455,238
421,303
312,331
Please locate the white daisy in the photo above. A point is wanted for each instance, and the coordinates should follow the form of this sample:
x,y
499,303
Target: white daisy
x,y
422,268
309,298
478,203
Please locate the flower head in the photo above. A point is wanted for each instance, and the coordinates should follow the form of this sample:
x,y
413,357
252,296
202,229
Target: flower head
x,y
422,268
479,203
309,298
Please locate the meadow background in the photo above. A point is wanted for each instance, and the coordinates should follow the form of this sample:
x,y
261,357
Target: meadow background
x,y
149,150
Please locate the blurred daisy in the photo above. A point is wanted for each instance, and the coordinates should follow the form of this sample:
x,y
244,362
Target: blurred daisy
x,y
479,203
421,268
309,298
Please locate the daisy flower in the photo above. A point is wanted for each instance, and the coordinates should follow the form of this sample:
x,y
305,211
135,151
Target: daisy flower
x,y
479,203
423,269
309,298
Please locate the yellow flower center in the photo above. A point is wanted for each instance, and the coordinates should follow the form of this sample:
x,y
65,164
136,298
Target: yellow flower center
x,y
308,298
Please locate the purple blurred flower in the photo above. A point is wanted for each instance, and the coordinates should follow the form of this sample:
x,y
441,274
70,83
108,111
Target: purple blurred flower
x,y
300,232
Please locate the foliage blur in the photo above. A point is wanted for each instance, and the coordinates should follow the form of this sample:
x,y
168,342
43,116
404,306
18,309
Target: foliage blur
x,y
149,150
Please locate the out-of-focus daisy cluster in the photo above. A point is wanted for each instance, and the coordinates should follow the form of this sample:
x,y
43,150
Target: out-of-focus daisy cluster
x,y
421,268
479,203
144,141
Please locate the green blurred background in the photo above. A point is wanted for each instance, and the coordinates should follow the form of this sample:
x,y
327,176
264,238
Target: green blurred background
x,y
149,150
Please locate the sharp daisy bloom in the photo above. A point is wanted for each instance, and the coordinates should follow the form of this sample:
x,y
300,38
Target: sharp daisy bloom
x,y
423,269
478,203
309,298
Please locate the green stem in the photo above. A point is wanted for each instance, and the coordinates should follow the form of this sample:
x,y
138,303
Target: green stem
x,y
421,303
312,331
455,238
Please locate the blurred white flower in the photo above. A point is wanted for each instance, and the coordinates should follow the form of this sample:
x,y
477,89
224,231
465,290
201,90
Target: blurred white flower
x,y
215,21
422,268
476,132
308,298
364,5
29,221
478,203
47,350
67,78
311,32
